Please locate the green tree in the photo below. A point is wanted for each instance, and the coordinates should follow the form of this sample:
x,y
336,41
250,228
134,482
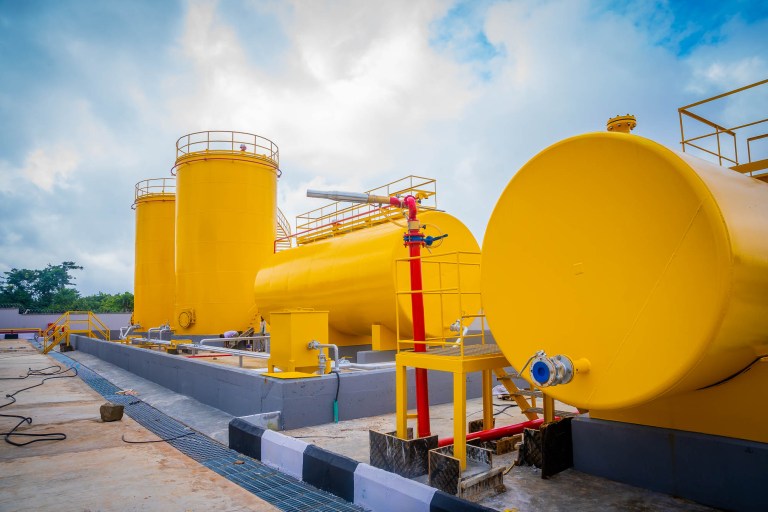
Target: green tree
x,y
51,280
52,288
64,300
16,287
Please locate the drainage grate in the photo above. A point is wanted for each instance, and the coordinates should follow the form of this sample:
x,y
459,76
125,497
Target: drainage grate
x,y
279,489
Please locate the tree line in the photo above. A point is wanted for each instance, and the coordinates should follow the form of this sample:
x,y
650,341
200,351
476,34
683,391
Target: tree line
x,y
52,290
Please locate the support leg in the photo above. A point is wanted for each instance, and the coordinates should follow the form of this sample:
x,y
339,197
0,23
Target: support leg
x,y
487,401
549,409
460,418
401,400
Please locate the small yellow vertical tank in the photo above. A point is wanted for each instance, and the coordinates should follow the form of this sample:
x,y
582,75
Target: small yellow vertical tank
x,y
153,285
225,227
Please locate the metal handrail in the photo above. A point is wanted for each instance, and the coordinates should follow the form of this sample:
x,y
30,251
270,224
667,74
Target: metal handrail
x,y
61,329
718,129
229,142
341,217
457,259
154,187
338,211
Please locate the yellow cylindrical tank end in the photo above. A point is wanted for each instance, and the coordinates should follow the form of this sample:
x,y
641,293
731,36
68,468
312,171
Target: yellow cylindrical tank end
x,y
622,124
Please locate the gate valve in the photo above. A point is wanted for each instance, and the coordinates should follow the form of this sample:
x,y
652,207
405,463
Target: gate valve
x,y
428,241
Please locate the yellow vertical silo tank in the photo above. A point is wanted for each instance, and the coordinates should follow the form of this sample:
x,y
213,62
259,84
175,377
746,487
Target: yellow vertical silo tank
x,y
154,280
352,276
650,264
225,227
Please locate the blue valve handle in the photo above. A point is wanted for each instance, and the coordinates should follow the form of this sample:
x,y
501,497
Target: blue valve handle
x,y
428,241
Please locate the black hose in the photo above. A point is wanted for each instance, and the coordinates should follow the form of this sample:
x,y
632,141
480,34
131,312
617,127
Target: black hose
x,y
743,370
51,436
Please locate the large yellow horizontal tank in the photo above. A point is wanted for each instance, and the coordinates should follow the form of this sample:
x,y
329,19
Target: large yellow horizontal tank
x,y
650,264
352,277
153,279
225,227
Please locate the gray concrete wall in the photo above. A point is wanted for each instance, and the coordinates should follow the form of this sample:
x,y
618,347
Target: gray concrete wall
x,y
11,318
242,392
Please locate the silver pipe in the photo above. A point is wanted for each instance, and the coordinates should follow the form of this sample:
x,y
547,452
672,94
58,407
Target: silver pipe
x,y
314,344
221,350
369,366
241,338
125,331
163,328
337,195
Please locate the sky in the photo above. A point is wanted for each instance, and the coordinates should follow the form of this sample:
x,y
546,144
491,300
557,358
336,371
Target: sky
x,y
94,95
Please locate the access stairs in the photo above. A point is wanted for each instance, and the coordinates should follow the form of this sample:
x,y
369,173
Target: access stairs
x,y
85,323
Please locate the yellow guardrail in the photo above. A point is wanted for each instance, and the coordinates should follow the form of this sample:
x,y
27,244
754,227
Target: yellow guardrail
x,y
341,217
73,322
455,303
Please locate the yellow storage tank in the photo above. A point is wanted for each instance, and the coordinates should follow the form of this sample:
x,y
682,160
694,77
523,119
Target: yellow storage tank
x,y
650,264
225,227
153,278
352,277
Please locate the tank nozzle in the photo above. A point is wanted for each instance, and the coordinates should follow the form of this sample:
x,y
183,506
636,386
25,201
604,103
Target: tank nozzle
x,y
552,371
623,124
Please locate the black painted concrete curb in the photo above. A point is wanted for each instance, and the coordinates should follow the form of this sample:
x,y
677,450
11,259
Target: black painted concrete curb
x,y
346,478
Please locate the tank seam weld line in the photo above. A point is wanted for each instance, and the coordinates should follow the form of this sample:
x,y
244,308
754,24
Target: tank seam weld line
x,y
652,290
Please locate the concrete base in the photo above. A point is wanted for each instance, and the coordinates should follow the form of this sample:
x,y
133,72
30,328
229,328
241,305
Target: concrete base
x,y
242,392
716,471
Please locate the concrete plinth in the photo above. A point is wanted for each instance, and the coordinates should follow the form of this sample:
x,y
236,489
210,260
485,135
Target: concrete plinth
x,y
716,471
243,392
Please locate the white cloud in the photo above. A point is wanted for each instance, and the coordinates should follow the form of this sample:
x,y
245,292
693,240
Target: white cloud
x,y
47,168
357,81
355,94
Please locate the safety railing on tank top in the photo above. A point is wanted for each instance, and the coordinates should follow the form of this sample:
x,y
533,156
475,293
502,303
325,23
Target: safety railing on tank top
x,y
228,142
452,303
341,217
154,187
721,141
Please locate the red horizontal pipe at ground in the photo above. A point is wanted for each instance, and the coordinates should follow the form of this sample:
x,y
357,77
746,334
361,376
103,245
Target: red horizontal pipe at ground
x,y
496,433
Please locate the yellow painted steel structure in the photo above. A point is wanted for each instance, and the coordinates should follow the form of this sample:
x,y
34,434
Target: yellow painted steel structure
x,y
352,277
650,264
84,323
225,227
292,331
154,278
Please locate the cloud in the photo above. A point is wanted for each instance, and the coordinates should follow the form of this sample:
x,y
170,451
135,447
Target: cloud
x,y
355,94
49,167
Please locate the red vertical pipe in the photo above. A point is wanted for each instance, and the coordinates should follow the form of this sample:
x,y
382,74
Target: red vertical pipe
x,y
414,240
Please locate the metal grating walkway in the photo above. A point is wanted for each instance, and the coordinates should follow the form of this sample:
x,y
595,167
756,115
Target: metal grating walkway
x,y
279,489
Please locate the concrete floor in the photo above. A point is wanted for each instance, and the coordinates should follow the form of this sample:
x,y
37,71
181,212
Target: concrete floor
x,y
568,491
526,491
207,420
93,469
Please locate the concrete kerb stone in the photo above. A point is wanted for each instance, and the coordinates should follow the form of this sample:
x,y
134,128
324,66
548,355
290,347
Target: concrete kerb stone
x,y
362,484
376,489
284,453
